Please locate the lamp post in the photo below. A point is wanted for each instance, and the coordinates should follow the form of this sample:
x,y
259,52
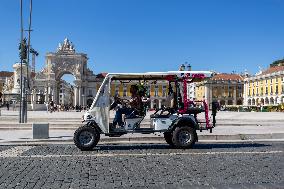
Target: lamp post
x,y
24,49
22,56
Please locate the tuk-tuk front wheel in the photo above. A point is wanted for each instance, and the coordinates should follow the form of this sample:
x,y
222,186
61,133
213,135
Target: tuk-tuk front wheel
x,y
184,137
86,137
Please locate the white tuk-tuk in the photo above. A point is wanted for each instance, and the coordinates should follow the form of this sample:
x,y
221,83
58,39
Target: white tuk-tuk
x,y
178,121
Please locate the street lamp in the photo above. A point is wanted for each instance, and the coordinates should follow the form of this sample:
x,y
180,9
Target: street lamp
x,y
185,65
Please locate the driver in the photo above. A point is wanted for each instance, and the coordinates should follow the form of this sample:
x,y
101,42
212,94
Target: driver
x,y
135,105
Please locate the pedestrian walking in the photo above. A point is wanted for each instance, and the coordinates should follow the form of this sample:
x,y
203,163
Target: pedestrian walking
x,y
7,105
47,106
51,106
14,105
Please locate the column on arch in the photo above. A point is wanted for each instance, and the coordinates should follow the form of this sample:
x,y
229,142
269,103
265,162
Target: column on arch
x,y
75,95
80,95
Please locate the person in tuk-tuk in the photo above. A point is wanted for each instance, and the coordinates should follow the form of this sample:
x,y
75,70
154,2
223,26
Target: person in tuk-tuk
x,y
135,104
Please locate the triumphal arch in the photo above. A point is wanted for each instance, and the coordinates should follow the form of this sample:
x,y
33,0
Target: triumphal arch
x,y
47,84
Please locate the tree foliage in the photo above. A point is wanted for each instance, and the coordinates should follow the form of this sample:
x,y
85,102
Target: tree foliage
x,y
278,62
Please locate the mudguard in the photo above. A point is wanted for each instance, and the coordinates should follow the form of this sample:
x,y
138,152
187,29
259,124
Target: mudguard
x,y
184,121
92,123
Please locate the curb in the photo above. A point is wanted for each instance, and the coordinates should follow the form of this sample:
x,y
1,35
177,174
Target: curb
x,y
158,139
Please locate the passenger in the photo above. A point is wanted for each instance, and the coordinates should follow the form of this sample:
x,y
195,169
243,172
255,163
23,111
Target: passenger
x,y
171,98
135,105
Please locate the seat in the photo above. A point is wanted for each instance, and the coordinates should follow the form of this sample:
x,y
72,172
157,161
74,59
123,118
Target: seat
x,y
160,116
134,114
194,110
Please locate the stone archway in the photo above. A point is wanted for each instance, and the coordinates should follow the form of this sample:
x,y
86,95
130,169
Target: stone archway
x,y
66,61
277,100
230,102
257,101
266,101
262,101
271,101
239,102
155,103
164,103
249,102
253,102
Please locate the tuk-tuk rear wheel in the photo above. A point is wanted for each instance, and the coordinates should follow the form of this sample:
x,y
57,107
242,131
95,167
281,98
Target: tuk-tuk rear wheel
x,y
184,137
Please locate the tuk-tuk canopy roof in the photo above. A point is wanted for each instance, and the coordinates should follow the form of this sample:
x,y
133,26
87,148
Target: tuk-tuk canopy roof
x,y
160,75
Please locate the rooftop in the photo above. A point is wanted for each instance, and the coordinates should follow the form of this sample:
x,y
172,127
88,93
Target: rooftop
x,y
6,74
226,76
273,69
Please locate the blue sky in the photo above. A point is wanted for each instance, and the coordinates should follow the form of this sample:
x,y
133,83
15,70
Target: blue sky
x,y
151,35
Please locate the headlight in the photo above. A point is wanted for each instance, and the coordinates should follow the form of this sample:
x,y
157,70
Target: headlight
x,y
89,117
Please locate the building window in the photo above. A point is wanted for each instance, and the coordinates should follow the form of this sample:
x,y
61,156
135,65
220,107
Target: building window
x,y
124,90
266,90
164,91
240,94
156,92
116,93
276,89
271,90
230,94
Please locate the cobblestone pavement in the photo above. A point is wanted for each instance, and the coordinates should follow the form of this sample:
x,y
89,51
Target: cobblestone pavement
x,y
235,165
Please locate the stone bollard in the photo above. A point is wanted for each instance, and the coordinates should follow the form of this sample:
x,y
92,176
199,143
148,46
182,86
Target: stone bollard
x,y
40,130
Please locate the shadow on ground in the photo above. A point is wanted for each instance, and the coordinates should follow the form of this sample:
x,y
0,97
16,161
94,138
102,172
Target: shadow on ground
x,y
165,146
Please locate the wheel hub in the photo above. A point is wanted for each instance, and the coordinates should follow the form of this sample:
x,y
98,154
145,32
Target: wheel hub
x,y
86,138
184,137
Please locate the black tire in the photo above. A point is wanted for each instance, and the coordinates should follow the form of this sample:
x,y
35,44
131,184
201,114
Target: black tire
x,y
86,137
169,138
184,137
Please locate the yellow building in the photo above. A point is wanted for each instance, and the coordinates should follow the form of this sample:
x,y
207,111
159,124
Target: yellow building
x,y
266,88
227,89
157,91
